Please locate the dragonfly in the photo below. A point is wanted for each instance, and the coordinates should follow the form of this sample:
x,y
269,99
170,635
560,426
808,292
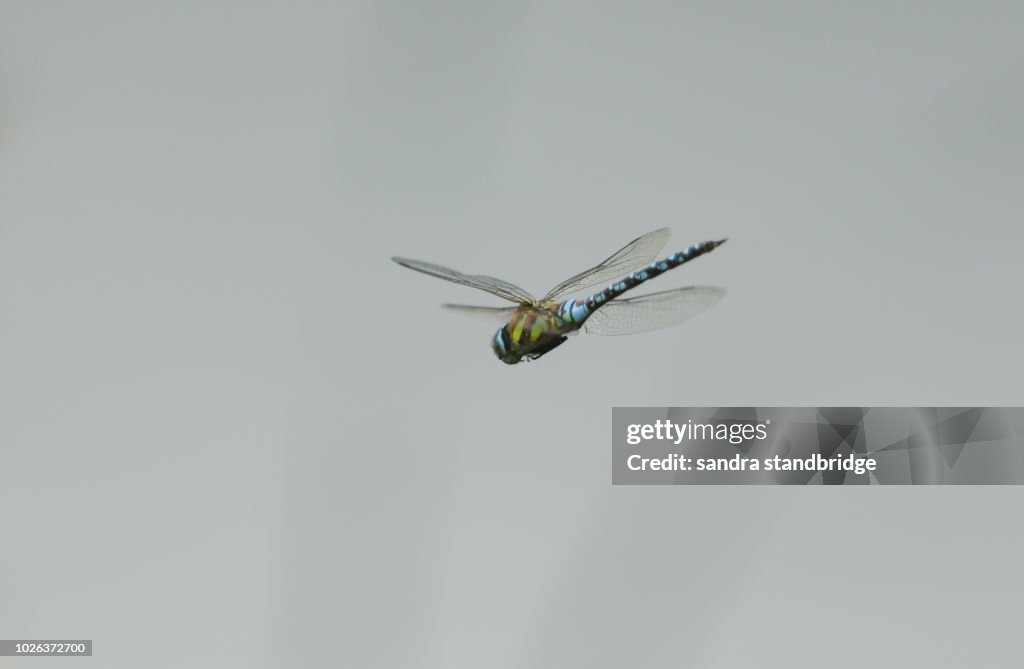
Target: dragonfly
x,y
532,327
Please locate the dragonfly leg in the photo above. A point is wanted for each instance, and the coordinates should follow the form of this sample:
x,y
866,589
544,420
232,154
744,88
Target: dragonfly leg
x,y
541,350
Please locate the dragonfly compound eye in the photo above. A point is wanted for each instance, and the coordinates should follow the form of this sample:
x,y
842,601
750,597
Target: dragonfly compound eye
x,y
502,345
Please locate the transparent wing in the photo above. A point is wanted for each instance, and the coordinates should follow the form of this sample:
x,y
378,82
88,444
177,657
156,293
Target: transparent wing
x,y
651,312
639,252
503,289
497,314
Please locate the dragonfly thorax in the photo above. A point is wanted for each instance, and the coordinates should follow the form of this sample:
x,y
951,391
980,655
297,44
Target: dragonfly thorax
x,y
530,333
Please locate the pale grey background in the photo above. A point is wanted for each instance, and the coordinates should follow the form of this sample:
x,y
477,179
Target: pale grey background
x,y
226,416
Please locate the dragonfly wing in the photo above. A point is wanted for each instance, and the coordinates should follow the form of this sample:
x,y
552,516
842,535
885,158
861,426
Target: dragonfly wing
x,y
499,314
652,312
639,252
503,289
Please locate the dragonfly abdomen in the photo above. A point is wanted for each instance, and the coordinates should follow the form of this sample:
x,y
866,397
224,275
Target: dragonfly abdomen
x,y
573,311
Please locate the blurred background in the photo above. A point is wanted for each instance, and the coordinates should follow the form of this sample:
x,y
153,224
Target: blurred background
x,y
235,434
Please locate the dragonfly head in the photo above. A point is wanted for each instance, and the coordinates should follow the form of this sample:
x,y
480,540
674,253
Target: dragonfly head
x,y
502,345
